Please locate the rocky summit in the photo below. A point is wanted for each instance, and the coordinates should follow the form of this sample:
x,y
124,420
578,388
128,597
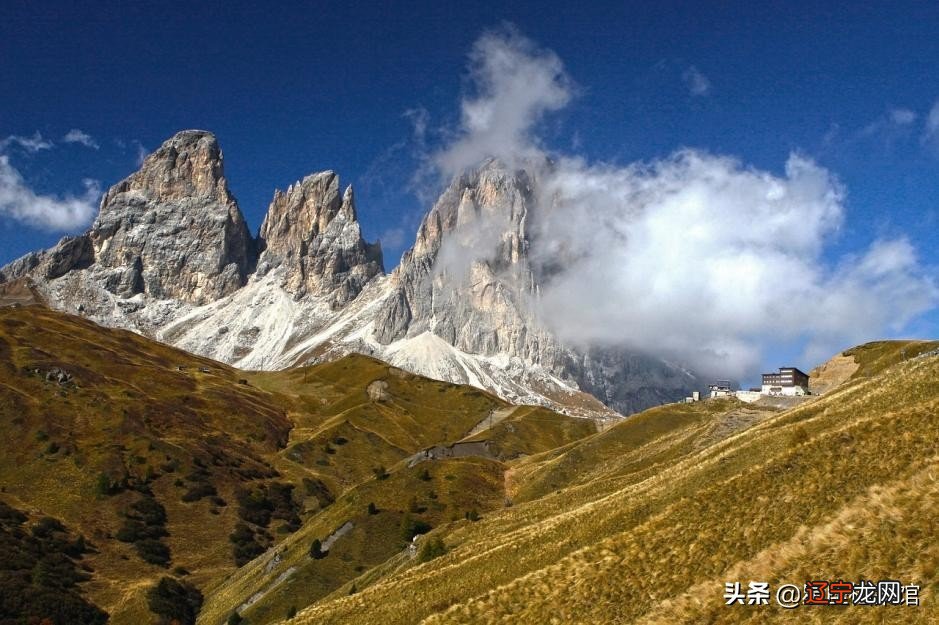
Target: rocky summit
x,y
170,256
170,230
313,232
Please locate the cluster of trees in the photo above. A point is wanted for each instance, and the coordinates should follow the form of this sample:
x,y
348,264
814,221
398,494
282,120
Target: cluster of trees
x,y
39,573
144,526
175,602
247,543
257,506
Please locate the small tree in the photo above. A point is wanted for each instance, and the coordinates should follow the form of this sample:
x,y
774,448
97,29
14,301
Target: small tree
x,y
316,550
105,486
235,619
291,611
372,508
425,475
411,527
433,548
380,472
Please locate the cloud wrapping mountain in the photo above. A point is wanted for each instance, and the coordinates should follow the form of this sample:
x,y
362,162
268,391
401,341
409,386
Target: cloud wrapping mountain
x,y
694,255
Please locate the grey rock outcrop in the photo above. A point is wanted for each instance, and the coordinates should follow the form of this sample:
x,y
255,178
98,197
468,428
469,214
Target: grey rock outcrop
x,y
173,229
314,234
70,253
468,278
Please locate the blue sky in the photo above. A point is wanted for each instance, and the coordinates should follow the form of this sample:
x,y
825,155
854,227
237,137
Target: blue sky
x,y
305,87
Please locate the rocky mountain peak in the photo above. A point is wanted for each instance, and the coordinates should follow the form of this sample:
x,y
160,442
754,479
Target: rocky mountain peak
x,y
312,232
469,255
469,280
173,229
188,164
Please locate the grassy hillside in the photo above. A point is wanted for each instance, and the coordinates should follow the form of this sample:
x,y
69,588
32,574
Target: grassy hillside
x,y
343,436
93,422
645,522
175,466
135,477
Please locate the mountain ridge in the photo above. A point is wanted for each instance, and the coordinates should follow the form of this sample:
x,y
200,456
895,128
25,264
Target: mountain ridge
x,y
170,256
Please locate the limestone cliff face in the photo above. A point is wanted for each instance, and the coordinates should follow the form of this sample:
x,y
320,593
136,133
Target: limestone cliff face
x,y
470,280
314,235
173,229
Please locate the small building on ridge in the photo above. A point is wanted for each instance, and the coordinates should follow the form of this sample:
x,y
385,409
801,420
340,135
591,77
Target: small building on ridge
x,y
787,382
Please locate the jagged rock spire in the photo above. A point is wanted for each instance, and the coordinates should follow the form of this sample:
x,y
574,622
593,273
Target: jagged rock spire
x,y
313,234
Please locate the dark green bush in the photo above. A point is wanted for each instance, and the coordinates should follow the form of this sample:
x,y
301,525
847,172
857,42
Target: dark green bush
x,y
433,548
411,527
153,551
316,550
175,601
199,490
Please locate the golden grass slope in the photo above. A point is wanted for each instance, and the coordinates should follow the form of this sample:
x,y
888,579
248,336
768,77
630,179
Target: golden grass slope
x,y
844,486
150,416
413,413
130,414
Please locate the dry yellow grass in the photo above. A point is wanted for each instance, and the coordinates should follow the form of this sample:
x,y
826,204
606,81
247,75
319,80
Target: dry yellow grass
x,y
640,523
129,411
841,487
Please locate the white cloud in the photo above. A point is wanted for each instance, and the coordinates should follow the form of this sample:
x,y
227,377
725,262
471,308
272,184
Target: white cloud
x,y
142,153
77,136
516,83
931,131
695,256
697,83
902,117
704,259
29,144
420,119
895,124
19,202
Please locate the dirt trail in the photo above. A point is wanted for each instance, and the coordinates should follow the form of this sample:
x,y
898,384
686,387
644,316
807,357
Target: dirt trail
x,y
493,418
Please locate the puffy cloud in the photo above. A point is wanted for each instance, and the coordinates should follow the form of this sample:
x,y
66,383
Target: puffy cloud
x,y
515,84
29,144
703,259
697,83
77,136
19,202
696,256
